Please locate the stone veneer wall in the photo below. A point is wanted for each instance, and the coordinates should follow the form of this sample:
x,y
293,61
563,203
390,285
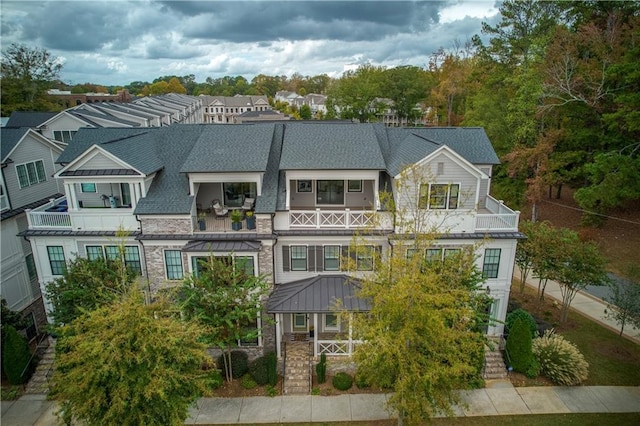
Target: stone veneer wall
x,y
152,225
265,266
156,274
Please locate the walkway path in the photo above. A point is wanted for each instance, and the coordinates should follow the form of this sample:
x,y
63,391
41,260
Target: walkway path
x,y
586,305
499,398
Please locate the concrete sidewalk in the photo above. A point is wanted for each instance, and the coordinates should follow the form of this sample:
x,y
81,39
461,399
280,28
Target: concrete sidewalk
x,y
583,303
499,398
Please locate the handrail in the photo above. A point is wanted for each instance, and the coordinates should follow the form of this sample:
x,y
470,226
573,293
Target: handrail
x,y
33,355
284,366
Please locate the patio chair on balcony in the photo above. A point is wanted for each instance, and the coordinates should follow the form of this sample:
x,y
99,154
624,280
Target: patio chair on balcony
x,y
248,204
219,211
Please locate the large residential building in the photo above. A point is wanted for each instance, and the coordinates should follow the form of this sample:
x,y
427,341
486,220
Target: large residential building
x,y
26,182
225,109
313,186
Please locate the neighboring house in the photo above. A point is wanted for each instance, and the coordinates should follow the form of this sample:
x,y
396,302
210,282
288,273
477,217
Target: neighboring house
x,y
225,109
317,103
152,111
29,118
72,99
26,182
312,185
389,117
260,116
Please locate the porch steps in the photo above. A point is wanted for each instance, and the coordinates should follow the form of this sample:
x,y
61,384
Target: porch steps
x,y
297,373
39,382
494,366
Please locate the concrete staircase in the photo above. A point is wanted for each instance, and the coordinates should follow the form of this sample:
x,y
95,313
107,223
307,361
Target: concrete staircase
x,y
39,382
297,375
494,367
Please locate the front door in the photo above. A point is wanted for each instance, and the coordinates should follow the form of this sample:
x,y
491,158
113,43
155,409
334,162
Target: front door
x,y
126,194
299,323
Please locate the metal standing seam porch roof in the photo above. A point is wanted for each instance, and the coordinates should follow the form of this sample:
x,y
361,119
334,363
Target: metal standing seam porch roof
x,y
318,294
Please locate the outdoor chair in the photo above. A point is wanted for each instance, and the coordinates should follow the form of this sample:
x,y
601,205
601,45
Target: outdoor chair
x,y
248,204
219,211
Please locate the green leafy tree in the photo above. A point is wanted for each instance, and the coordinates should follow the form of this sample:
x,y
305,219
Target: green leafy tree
x,y
581,264
16,357
525,252
406,86
87,285
226,300
26,73
305,112
174,86
623,304
355,94
129,364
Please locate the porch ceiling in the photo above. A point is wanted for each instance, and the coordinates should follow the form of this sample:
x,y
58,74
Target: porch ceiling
x,y
318,294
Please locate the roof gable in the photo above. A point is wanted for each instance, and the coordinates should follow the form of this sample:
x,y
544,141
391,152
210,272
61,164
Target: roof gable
x,y
95,158
12,137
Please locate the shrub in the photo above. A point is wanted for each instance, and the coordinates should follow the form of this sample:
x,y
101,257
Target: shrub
x,y
259,370
213,379
361,381
272,368
16,356
559,359
247,382
524,315
519,349
342,381
321,369
239,363
271,391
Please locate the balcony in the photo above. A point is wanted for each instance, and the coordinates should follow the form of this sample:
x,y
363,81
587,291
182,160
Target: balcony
x,y
496,217
55,215
215,224
338,219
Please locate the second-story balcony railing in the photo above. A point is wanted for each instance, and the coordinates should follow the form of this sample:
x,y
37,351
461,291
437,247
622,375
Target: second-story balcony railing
x,y
53,215
498,217
345,219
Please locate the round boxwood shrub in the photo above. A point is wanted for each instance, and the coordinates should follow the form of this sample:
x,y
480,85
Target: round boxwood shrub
x,y
526,317
259,370
519,349
342,381
560,360
239,363
247,382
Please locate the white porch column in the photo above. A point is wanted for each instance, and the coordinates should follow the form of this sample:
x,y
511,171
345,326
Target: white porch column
x,y
350,334
376,192
278,334
72,202
133,195
315,335
288,198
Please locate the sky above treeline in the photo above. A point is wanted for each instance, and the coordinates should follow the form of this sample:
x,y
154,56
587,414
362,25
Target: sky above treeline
x,y
117,42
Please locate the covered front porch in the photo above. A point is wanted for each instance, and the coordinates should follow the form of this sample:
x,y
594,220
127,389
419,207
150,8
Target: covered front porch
x,y
310,310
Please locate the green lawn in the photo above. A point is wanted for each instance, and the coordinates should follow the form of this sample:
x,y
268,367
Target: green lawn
x,y
613,360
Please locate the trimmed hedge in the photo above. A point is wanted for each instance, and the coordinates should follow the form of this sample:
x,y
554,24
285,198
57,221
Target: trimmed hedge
x,y
342,381
519,349
16,356
259,370
525,316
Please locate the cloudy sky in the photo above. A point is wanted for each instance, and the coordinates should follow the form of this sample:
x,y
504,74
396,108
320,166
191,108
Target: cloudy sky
x,y
116,42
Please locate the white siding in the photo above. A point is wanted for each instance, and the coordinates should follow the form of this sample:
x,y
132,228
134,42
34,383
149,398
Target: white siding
x,y
16,287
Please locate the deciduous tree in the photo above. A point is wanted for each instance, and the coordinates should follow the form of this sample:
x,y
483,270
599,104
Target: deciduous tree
x,y
129,364
225,299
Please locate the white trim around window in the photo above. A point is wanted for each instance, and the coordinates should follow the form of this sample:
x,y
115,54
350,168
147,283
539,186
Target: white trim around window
x,y
331,322
30,173
295,263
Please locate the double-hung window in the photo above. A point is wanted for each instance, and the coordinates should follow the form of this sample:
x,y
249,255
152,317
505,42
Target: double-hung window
x,y
56,260
94,252
173,264
491,263
331,322
31,173
130,256
439,196
364,258
298,258
31,267
331,258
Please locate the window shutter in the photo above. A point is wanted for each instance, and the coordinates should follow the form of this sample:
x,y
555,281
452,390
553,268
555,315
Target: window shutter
x,y
319,258
311,258
285,259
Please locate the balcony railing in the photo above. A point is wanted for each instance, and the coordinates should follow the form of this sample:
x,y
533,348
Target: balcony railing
x,y
337,347
501,218
46,216
346,219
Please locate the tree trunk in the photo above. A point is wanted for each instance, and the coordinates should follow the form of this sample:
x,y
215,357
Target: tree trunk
x,y
534,212
559,192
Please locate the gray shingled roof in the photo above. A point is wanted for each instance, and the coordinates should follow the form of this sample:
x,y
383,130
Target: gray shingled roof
x,y
29,118
318,294
409,145
237,148
322,146
9,138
